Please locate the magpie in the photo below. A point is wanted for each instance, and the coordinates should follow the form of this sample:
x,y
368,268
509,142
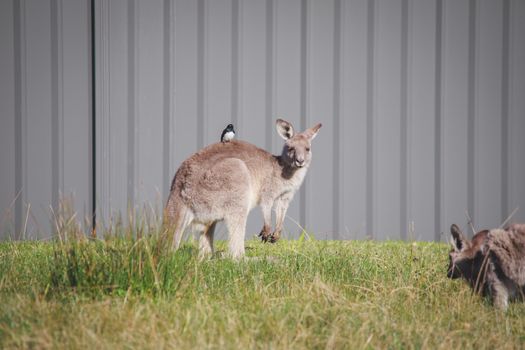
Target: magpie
x,y
228,134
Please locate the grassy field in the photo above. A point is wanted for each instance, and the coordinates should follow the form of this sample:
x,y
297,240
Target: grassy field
x,y
126,293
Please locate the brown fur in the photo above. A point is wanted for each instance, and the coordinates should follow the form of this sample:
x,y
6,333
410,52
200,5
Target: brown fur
x,y
224,181
493,262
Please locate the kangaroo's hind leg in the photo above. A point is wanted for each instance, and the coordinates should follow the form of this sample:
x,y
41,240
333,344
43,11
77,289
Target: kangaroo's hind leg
x,y
236,225
229,193
206,241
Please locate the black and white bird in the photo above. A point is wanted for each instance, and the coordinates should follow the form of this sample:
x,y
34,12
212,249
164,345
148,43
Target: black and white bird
x,y
228,134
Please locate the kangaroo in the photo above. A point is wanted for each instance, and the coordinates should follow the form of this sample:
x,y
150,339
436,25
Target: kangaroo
x,y
225,181
493,262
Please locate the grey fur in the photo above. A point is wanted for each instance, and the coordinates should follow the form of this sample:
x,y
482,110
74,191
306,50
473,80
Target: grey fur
x,y
493,262
226,181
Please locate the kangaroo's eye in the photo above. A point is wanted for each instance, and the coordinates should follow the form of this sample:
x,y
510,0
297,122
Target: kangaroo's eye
x,y
291,149
307,149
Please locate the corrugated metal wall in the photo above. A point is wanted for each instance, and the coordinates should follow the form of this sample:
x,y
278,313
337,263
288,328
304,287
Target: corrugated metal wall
x,y
45,150
421,103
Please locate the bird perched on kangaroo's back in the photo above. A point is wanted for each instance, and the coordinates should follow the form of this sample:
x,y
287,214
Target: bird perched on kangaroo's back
x,y
225,181
228,134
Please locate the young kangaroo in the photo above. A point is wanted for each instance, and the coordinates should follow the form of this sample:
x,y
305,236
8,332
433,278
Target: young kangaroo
x,y
493,262
225,181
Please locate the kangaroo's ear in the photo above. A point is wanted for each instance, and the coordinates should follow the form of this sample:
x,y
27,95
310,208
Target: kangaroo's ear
x,y
284,129
311,133
458,239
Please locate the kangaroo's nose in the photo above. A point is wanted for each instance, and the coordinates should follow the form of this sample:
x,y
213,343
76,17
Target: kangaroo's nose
x,y
300,162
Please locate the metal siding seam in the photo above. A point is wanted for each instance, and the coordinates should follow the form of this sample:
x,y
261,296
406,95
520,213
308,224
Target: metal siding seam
x,y
338,158
101,127
235,66
270,68
438,166
304,110
201,79
168,92
18,34
370,119
404,147
173,91
505,74
471,119
90,9
132,103
57,115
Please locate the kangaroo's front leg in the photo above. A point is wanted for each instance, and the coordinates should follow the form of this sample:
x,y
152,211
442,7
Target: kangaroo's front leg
x,y
281,206
267,217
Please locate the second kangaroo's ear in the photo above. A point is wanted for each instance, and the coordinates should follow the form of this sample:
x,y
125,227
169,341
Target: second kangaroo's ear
x,y
458,239
312,132
284,129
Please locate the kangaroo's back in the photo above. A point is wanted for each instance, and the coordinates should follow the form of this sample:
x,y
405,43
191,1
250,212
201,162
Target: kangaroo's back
x,y
192,170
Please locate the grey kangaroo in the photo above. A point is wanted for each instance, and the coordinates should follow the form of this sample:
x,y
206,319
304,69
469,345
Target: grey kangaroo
x,y
493,262
225,181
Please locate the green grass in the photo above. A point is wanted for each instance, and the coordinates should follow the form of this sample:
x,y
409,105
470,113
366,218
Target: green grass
x,y
125,293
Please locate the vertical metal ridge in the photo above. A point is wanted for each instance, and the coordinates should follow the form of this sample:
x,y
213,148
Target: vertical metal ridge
x,y
132,80
54,103
404,122
200,72
167,105
24,113
505,73
235,66
102,126
18,21
57,116
61,170
93,114
471,118
304,64
337,149
438,177
304,202
370,55
269,78
173,94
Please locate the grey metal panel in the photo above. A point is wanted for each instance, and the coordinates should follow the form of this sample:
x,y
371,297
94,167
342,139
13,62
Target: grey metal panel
x,y
218,69
169,79
354,119
74,91
7,121
217,74
287,89
111,111
517,110
420,101
37,117
488,119
387,120
421,121
115,103
149,90
319,184
254,116
455,112
184,119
